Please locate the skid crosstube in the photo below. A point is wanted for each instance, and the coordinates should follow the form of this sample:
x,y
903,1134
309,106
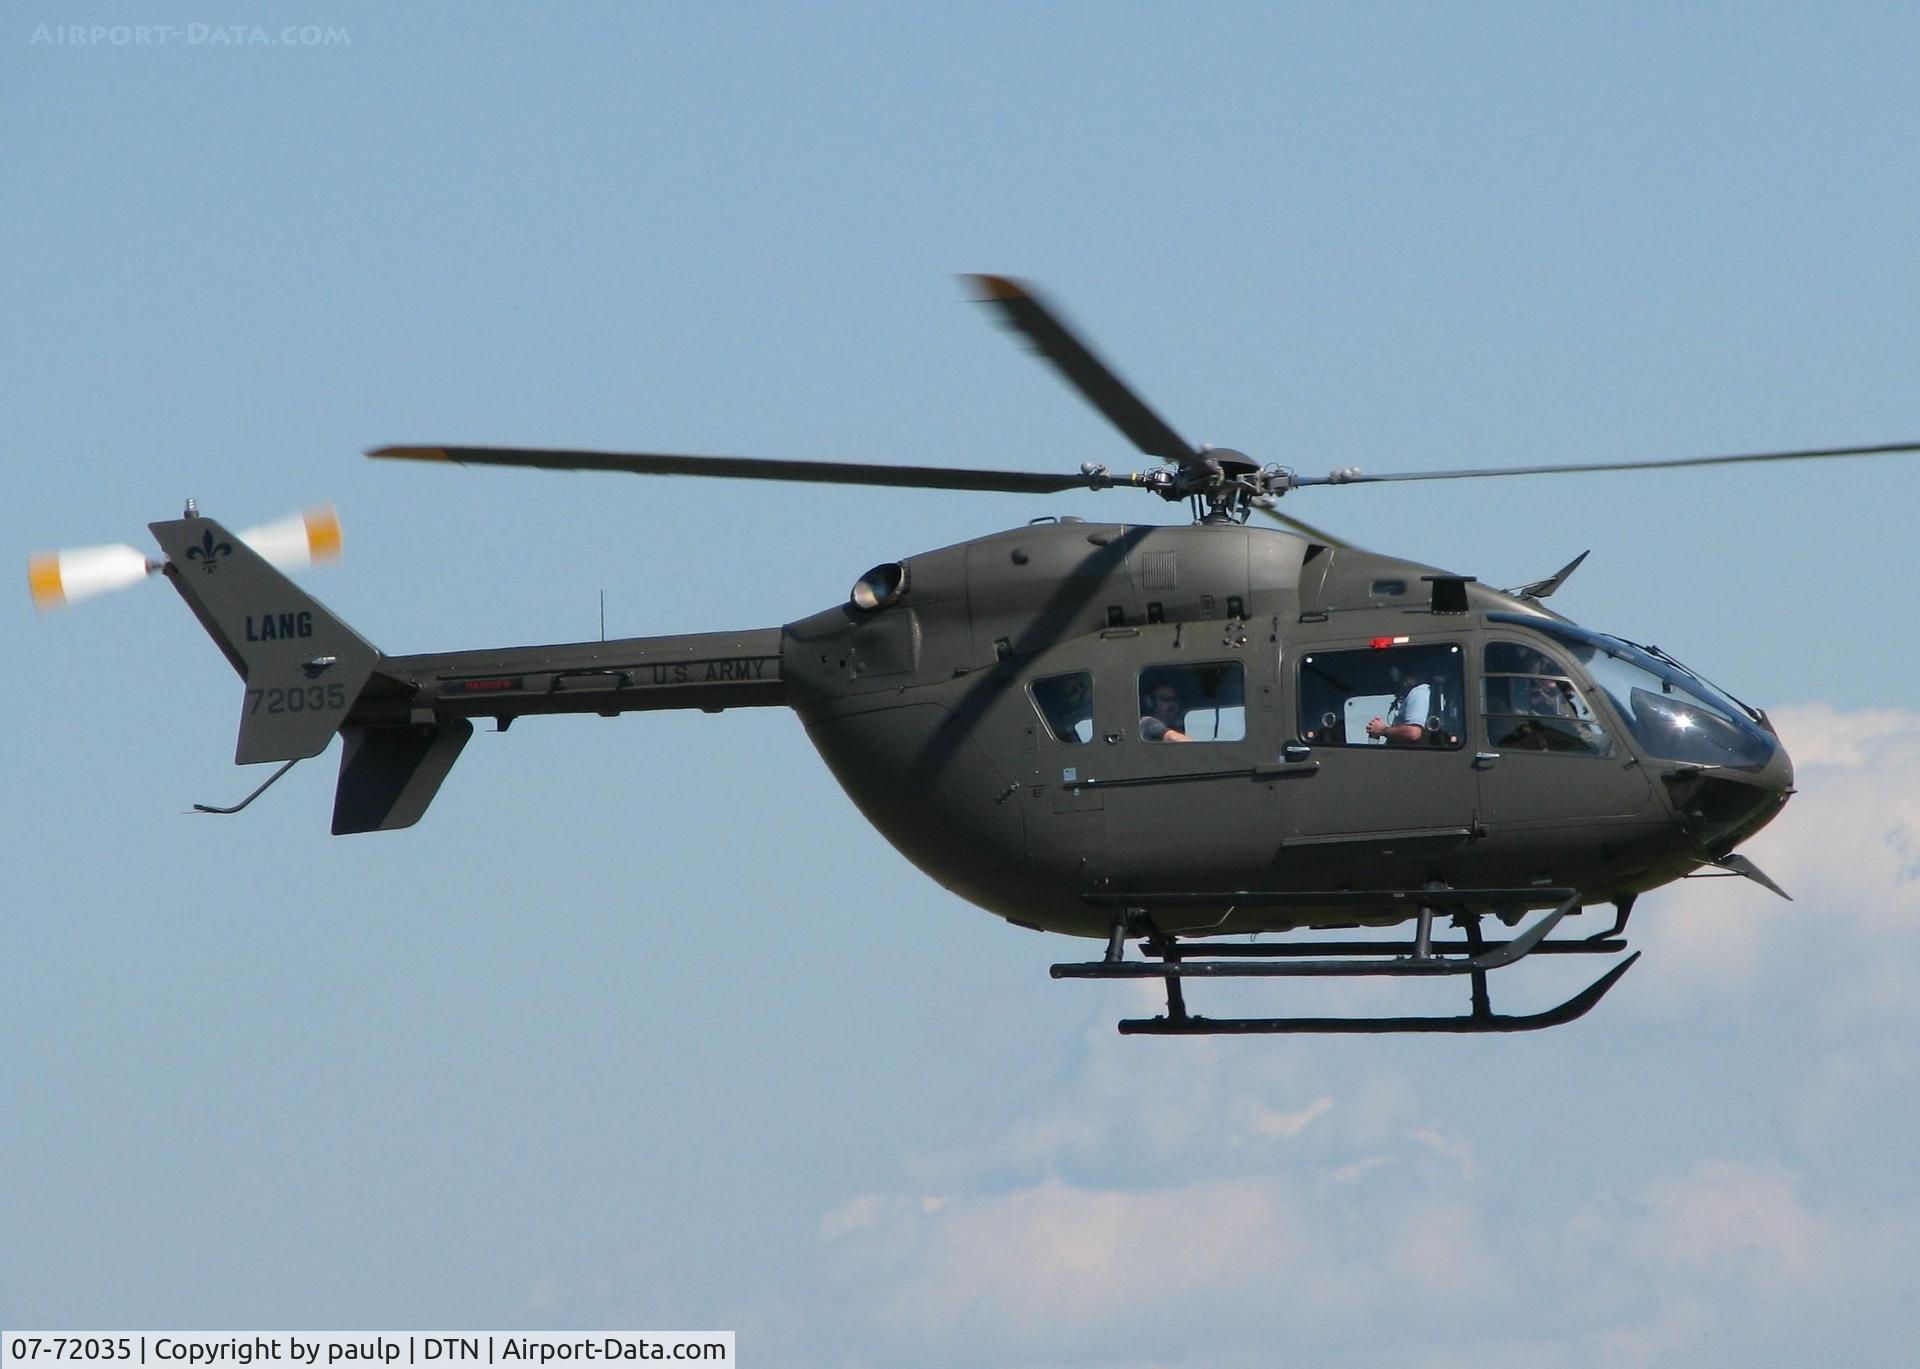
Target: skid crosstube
x,y
1418,963
1476,957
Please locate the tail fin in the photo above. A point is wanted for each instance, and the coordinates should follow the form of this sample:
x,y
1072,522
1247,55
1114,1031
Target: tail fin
x,y
388,775
303,667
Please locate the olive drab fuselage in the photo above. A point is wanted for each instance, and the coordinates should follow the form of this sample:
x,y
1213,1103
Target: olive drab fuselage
x,y
932,709
1069,716
1131,732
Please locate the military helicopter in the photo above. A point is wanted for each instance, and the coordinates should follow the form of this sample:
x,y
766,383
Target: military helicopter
x,y
1168,738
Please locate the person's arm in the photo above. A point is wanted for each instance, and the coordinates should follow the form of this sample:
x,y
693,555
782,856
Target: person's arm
x,y
1414,705
1153,730
1396,732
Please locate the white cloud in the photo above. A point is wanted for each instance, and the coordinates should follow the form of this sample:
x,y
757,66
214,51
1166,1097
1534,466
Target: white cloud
x,y
1843,1094
1358,1170
1454,1148
1679,1328
1079,1274
1055,1265
1851,838
1273,1125
1440,1247
1054,1257
1819,735
1847,847
857,1214
1168,1101
1725,1214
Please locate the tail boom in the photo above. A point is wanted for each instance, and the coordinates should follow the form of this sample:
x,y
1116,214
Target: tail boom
x,y
406,718
711,671
408,727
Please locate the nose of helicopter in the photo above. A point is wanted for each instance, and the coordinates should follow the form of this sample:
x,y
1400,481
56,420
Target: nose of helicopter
x,y
1721,807
1778,774
1775,780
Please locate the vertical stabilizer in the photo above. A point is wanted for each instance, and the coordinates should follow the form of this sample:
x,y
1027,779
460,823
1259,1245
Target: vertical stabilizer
x,y
303,667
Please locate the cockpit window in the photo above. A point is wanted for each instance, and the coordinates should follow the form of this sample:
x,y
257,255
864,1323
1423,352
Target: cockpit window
x,y
1515,658
1675,715
1531,704
1206,702
1385,696
1066,703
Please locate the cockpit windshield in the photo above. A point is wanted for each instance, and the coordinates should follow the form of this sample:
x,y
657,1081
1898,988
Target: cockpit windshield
x,y
1675,715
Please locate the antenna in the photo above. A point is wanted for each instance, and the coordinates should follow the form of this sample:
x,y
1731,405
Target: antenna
x,y
603,615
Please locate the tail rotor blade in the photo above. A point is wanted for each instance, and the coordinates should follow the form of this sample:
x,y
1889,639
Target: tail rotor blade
x,y
299,540
58,578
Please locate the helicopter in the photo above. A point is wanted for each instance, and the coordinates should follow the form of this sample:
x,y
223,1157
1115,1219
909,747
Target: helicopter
x,y
1170,739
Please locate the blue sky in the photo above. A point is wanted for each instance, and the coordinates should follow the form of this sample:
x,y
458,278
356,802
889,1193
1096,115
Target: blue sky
x,y
642,1026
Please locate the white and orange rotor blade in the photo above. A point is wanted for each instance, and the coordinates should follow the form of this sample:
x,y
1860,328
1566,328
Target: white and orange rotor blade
x,y
299,541
57,578
64,577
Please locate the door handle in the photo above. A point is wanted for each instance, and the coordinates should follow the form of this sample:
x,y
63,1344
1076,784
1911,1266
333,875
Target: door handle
x,y
1485,757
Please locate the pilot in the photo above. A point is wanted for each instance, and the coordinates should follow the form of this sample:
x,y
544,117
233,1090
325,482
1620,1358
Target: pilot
x,y
1551,724
1160,712
1549,698
1405,722
1068,709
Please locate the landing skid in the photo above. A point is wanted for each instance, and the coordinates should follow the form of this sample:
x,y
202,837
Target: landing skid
x,y
1422,957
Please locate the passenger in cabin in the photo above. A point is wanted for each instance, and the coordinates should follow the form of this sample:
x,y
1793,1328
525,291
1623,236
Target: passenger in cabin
x,y
1161,714
1406,720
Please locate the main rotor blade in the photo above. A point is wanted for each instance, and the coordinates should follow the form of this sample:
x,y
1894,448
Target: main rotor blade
x,y
1812,453
1022,311
756,468
1306,529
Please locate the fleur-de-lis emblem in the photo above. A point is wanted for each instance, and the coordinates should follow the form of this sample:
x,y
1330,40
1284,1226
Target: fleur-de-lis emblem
x,y
209,552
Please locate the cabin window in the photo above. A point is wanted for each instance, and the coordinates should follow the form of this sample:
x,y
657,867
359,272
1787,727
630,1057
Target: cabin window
x,y
1206,702
1066,704
1532,704
1390,695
